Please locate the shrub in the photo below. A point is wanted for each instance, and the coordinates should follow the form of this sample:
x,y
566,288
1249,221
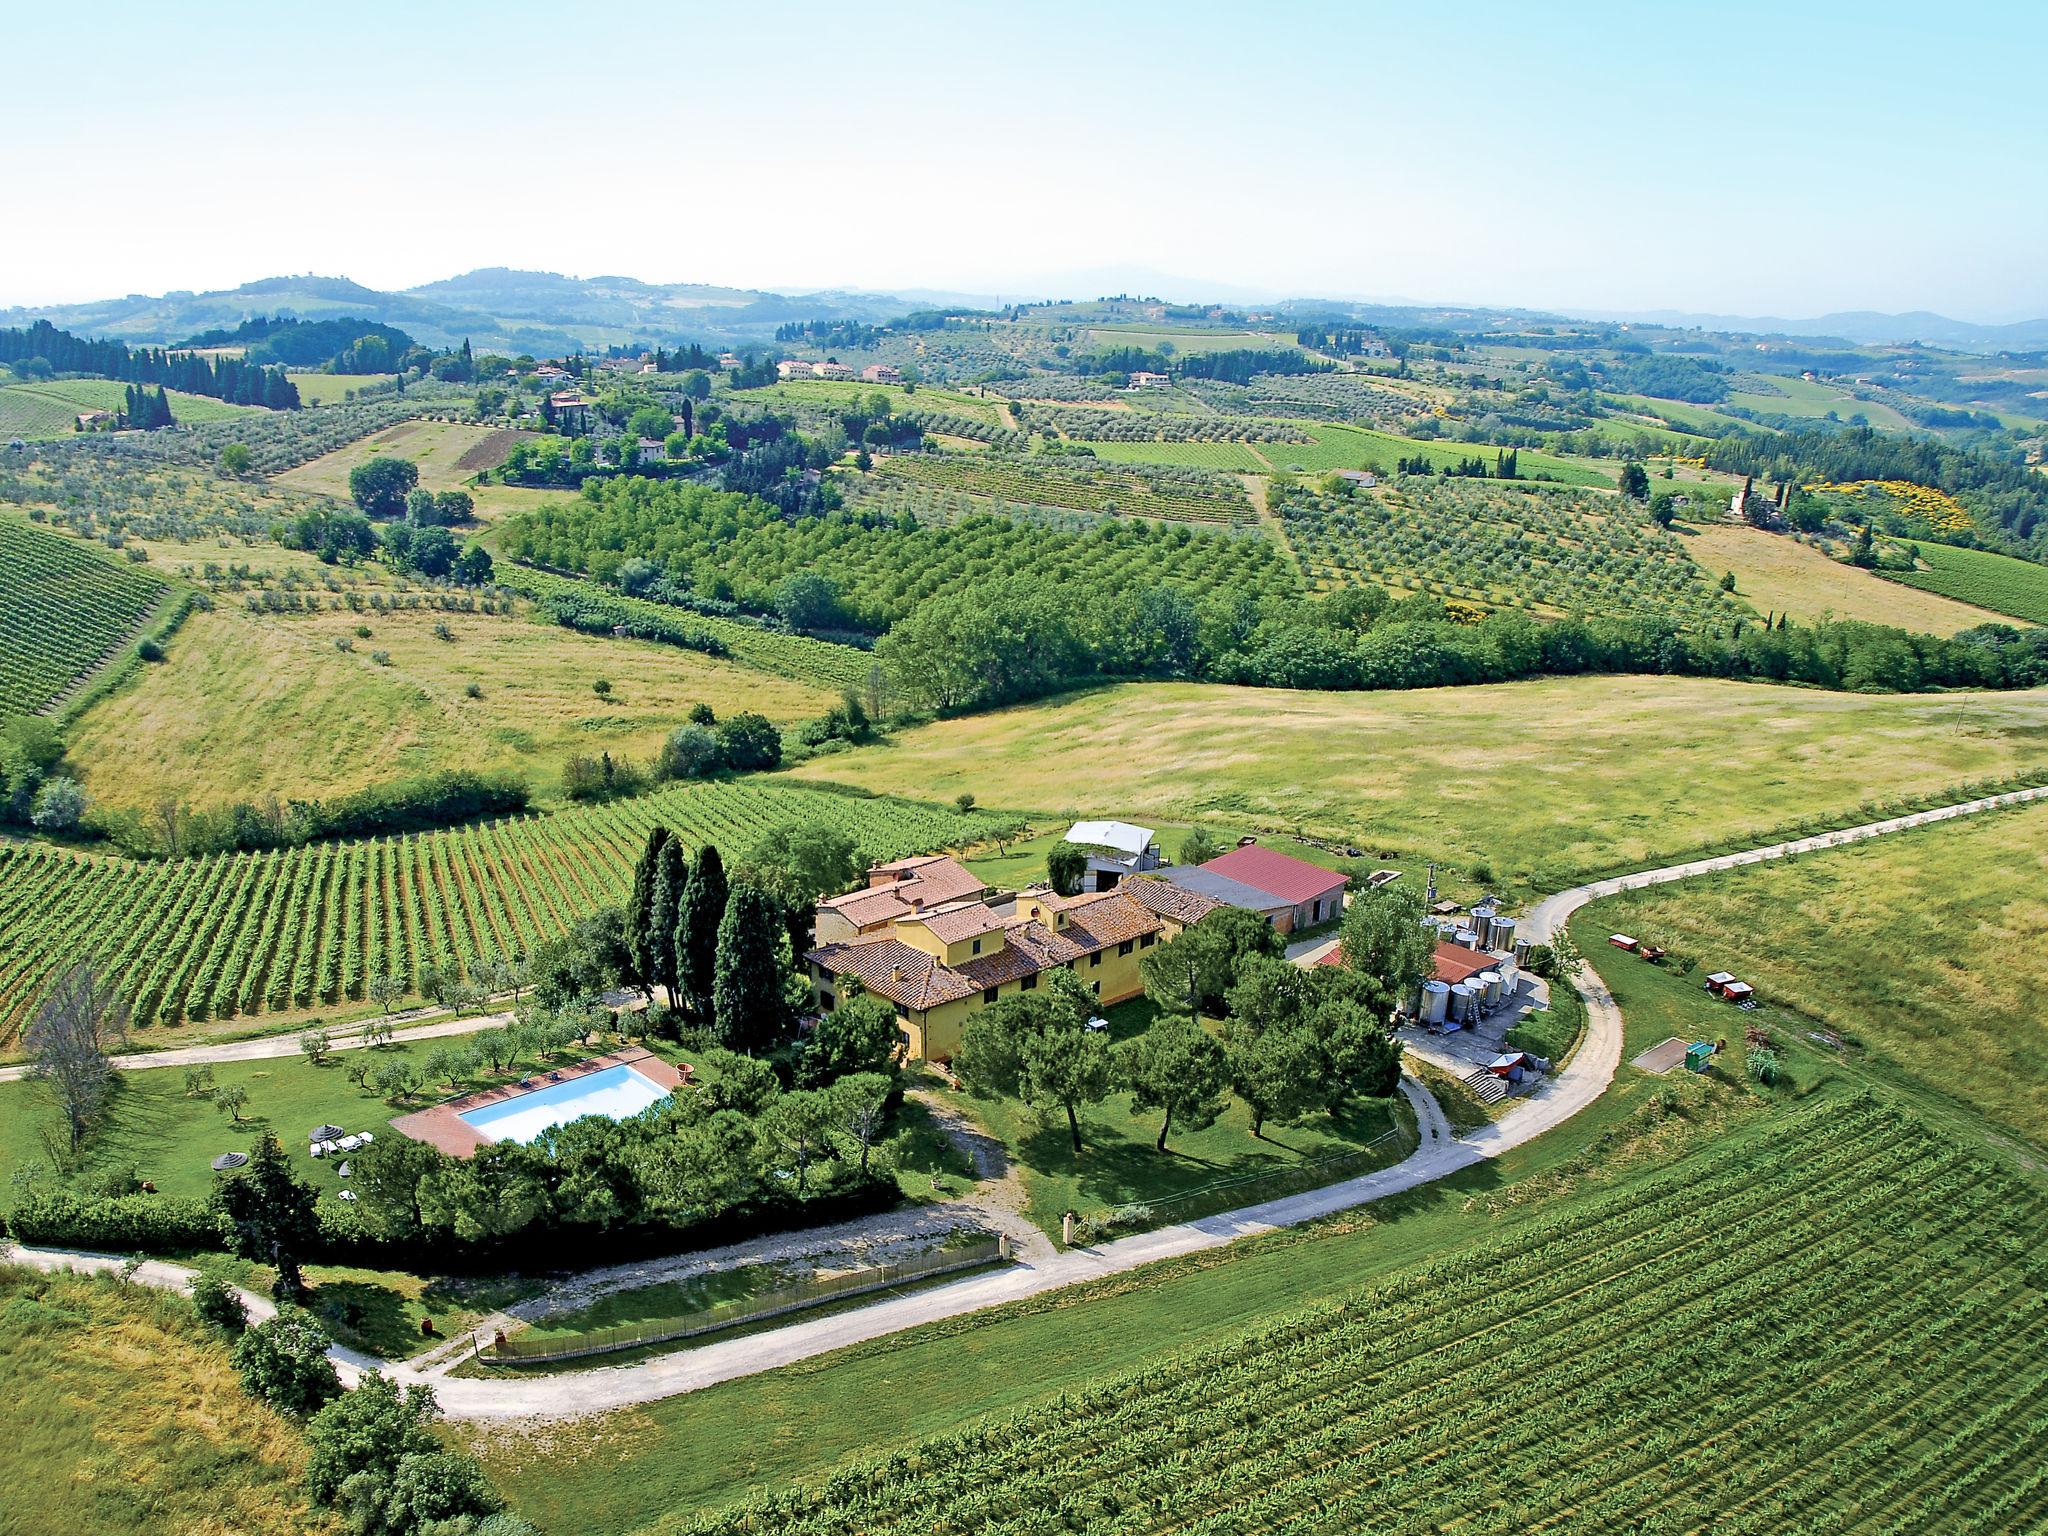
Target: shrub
x,y
284,1362
1763,1065
219,1304
149,650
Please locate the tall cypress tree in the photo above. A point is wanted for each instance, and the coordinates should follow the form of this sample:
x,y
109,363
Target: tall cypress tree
x,y
639,908
704,902
747,1005
671,873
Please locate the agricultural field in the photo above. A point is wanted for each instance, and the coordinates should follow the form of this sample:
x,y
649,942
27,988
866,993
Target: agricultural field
x,y
64,609
2015,588
1336,446
1521,787
226,936
251,703
1503,544
1127,491
51,410
334,388
128,1409
1190,339
1775,573
1777,394
1921,948
1692,418
1326,396
449,455
1225,458
1138,426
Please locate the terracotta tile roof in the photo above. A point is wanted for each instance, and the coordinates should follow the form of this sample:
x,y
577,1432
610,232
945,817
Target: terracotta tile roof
x,y
1112,920
865,909
927,881
1291,879
1176,902
949,925
907,977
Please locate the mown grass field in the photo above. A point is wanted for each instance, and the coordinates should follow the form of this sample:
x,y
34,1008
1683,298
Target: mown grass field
x,y
120,1412
1236,457
1343,447
1526,786
1776,574
247,703
2000,583
1924,947
1804,397
48,410
327,388
448,454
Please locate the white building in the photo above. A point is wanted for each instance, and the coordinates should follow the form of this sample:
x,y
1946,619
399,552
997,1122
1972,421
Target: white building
x,y
1144,380
1115,849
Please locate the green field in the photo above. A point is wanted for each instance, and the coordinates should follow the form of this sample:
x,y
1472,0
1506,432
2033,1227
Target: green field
x,y
124,1410
1191,339
287,931
248,703
1979,577
1521,786
1342,447
1810,397
51,410
1695,418
327,388
1775,573
1237,457
65,606
1923,948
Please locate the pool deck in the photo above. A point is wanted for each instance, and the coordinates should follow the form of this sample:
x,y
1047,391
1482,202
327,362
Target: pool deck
x,y
443,1125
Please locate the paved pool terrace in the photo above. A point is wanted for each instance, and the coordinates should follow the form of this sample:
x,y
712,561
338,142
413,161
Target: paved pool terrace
x,y
446,1127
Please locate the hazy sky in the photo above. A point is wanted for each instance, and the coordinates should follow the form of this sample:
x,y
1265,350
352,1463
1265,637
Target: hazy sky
x,y
1773,158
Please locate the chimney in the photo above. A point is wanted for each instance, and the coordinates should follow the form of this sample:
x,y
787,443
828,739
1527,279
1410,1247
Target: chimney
x,y
896,973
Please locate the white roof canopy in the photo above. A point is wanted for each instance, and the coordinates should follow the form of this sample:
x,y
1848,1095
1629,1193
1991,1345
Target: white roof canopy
x,y
1120,835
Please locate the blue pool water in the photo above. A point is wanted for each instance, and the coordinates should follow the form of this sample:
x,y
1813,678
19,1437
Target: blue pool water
x,y
618,1093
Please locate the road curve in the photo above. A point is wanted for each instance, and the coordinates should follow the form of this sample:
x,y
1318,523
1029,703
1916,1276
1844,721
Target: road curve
x,y
1438,1154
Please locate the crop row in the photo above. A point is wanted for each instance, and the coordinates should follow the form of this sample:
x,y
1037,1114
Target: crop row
x,y
246,933
1155,426
1175,495
63,608
1825,1328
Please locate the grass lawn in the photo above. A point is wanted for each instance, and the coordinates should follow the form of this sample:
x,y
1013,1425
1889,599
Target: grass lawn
x,y
2006,586
51,410
448,454
1201,1172
247,703
1518,786
1922,948
1774,573
120,1412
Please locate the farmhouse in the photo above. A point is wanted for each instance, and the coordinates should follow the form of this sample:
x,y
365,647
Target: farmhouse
x,y
831,371
1145,380
552,377
731,360
653,451
896,890
1292,893
87,420
1115,849
882,373
940,965
1360,477
793,368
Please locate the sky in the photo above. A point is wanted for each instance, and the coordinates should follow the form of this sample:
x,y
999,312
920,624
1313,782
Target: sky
x,y
1791,158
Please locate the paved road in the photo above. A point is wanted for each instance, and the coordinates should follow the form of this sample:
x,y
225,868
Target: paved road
x,y
1581,1081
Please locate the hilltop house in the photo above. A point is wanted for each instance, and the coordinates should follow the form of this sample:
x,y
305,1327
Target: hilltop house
x,y
1144,380
793,368
940,965
1115,849
882,373
832,371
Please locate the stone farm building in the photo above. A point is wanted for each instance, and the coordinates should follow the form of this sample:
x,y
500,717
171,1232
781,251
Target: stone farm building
x,y
941,963
1290,893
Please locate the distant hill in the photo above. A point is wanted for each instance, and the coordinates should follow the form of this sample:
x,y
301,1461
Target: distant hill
x,y
1862,326
496,308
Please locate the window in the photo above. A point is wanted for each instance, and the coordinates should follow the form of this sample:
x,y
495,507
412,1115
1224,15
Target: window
x,y
1096,958
977,946
1028,982
989,996
1126,947
1148,941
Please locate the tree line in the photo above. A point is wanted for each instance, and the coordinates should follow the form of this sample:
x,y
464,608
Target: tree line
x,y
219,378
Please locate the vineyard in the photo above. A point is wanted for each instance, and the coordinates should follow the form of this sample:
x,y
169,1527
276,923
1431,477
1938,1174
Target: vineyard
x,y
52,409
797,657
1831,1324
1155,426
1985,580
63,610
1504,546
250,933
1166,494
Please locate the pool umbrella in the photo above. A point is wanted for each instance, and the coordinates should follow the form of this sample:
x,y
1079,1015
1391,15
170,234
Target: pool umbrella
x,y
229,1160
326,1133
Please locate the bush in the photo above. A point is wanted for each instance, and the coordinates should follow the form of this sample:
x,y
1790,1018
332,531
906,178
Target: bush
x,y
149,650
219,1304
284,1362
121,1224
1763,1065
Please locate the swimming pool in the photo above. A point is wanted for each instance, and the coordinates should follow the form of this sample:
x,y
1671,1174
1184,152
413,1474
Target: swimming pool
x,y
618,1093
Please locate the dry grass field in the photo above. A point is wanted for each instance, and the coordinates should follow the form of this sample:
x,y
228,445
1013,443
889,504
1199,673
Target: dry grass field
x,y
1776,574
250,703
1523,785
447,453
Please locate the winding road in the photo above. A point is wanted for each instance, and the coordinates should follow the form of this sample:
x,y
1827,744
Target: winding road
x,y
1438,1153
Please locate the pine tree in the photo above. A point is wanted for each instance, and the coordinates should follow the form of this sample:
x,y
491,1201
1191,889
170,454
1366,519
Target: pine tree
x,y
704,903
747,1002
671,872
639,909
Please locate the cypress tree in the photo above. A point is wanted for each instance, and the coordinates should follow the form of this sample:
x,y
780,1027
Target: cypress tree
x,y
747,1006
704,903
639,908
671,871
